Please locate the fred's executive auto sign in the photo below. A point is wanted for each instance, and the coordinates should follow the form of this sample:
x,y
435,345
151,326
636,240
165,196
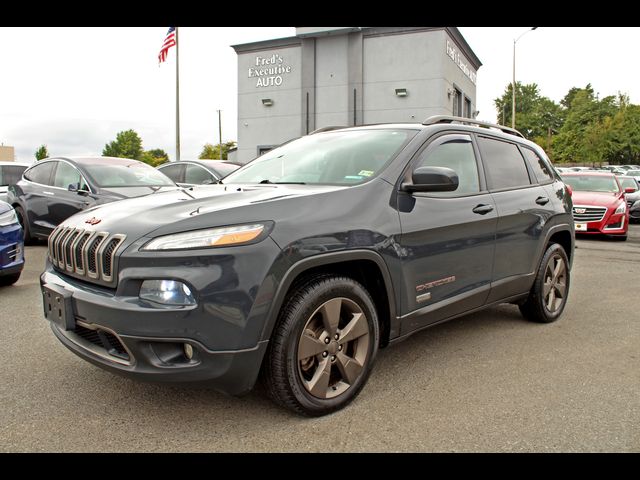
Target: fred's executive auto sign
x,y
269,71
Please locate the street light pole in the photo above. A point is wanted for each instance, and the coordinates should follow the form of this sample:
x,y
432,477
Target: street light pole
x,y
513,84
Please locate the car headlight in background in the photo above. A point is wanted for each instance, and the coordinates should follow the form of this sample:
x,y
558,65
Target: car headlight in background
x,y
167,292
8,218
211,237
621,208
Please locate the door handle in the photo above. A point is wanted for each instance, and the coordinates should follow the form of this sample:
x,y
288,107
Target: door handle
x,y
542,200
483,209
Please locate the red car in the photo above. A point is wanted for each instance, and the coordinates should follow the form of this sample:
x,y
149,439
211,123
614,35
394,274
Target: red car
x,y
599,205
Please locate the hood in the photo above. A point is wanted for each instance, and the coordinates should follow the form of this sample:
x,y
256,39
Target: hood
x,y
131,192
4,207
633,197
602,199
190,209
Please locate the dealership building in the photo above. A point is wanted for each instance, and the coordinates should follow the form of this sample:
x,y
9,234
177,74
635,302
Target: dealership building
x,y
344,76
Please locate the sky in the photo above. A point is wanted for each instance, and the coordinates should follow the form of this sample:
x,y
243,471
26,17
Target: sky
x,y
74,88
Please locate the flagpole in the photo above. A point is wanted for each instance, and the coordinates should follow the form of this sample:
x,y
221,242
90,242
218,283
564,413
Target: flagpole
x,y
177,97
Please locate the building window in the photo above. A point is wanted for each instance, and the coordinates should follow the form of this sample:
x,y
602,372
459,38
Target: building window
x,y
467,107
457,103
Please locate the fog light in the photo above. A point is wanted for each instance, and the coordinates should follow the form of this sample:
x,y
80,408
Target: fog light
x,y
166,292
188,351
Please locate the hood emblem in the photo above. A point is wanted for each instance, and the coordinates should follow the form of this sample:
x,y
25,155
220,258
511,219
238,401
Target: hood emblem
x,y
93,221
581,210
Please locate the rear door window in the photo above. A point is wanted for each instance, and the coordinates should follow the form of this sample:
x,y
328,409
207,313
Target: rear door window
x,y
198,175
503,164
174,172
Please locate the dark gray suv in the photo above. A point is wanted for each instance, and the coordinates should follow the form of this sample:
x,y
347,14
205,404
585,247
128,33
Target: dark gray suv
x,y
306,261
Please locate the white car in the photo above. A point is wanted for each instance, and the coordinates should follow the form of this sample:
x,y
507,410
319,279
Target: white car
x,y
10,173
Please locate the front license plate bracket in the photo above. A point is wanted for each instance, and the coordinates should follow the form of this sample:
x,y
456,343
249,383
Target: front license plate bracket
x,y
58,306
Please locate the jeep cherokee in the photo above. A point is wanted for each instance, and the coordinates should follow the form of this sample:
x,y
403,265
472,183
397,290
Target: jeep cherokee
x,y
307,260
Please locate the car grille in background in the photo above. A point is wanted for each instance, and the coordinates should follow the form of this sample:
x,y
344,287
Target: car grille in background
x,y
588,214
84,253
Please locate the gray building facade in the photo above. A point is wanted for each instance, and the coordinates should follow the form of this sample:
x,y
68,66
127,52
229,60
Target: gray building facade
x,y
329,76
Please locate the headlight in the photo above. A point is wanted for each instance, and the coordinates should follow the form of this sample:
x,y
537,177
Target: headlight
x,y
8,218
212,237
167,292
621,208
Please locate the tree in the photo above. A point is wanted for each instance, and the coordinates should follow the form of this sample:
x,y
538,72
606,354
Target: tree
x,y
212,152
127,144
155,157
42,152
535,115
579,139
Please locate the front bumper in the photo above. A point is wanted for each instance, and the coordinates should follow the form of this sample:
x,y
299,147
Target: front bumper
x,y
11,250
115,330
611,224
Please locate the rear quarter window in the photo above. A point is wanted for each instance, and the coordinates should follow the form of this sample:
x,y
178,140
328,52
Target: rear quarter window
x,y
540,169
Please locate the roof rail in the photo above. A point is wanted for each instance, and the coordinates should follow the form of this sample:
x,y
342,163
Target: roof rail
x,y
470,121
327,129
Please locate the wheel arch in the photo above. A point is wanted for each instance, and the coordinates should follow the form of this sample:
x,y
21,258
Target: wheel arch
x,y
365,266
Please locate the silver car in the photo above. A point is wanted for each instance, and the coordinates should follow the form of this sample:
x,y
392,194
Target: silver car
x,y
10,173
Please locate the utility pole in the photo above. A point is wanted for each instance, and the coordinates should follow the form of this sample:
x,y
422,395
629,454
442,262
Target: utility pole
x,y
177,98
220,131
513,84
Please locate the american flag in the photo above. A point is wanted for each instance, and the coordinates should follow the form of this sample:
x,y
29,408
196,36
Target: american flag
x,y
169,41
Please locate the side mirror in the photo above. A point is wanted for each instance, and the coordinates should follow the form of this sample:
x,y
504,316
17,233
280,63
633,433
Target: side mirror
x,y
569,189
72,187
432,179
630,190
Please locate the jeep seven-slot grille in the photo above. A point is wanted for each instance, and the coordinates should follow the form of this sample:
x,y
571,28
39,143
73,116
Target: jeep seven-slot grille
x,y
84,253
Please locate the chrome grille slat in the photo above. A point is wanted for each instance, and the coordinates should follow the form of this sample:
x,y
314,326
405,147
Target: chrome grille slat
x,y
84,253
590,213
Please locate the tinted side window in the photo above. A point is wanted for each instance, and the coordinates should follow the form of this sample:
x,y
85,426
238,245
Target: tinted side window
x,y
174,172
454,152
41,173
503,163
66,175
539,167
198,175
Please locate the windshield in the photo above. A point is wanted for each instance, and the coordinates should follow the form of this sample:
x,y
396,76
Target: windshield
x,y
592,183
135,174
338,158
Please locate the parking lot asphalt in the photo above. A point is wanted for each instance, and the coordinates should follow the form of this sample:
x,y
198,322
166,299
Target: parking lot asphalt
x,y
487,382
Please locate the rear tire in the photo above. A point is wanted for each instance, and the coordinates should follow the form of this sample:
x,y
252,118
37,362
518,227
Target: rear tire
x,y
323,347
550,290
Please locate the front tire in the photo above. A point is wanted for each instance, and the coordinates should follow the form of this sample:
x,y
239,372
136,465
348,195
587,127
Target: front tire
x,y
323,347
24,223
550,290
7,280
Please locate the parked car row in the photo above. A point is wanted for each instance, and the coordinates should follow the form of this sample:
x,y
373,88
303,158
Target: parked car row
x,y
53,189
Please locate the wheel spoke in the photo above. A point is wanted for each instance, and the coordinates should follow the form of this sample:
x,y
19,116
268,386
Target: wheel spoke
x,y
309,347
319,384
561,289
349,367
558,271
330,312
551,300
548,284
356,328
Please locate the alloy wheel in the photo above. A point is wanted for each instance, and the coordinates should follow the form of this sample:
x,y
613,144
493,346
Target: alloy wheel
x,y
333,348
555,283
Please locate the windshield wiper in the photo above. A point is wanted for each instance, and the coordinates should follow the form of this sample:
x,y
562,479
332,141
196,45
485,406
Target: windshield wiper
x,y
267,181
